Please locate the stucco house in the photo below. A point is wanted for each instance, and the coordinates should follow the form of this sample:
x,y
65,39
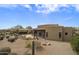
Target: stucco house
x,y
54,32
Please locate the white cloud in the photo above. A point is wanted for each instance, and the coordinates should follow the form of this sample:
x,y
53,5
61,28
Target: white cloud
x,y
27,6
48,8
16,5
43,8
76,6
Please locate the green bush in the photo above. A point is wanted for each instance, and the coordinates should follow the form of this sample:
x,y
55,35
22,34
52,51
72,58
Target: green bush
x,y
75,43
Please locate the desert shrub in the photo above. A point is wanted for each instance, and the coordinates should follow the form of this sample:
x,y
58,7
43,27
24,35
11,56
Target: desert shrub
x,y
44,44
16,35
49,44
38,46
5,50
28,45
7,36
11,38
23,37
29,38
1,37
75,43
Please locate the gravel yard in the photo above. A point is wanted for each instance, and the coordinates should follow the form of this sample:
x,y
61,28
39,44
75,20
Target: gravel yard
x,y
55,47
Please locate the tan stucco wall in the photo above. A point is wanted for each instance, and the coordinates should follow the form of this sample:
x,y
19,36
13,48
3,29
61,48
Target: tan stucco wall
x,y
53,32
69,31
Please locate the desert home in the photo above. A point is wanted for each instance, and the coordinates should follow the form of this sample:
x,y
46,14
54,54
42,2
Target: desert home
x,y
54,32
47,31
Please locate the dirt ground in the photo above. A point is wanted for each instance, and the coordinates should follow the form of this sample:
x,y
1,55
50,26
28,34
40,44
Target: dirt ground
x,y
16,47
56,47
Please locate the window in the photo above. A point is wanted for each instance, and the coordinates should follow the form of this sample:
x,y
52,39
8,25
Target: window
x,y
66,33
59,34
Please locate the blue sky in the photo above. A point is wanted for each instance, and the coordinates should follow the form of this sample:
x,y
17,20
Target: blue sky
x,y
36,14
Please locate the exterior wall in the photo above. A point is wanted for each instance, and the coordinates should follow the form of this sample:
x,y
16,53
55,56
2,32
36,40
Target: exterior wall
x,y
68,33
53,31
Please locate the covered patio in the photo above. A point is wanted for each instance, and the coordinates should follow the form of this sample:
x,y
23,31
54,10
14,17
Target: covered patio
x,y
39,33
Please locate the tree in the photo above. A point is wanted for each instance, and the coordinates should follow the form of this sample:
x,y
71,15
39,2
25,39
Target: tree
x,y
28,27
17,27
